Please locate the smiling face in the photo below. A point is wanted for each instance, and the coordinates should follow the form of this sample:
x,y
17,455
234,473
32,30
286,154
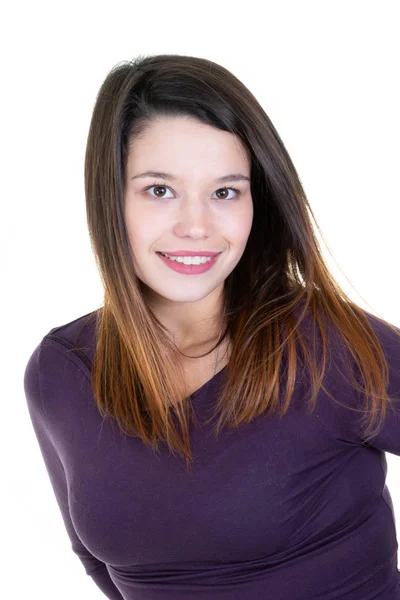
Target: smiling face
x,y
190,208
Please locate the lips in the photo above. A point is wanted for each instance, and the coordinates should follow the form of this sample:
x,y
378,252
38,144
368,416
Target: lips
x,y
189,269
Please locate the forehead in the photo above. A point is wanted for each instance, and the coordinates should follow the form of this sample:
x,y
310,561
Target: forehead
x,y
174,144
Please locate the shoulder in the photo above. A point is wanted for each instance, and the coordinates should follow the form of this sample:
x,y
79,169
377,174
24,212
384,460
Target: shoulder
x,y
388,335
72,342
389,338
77,334
343,417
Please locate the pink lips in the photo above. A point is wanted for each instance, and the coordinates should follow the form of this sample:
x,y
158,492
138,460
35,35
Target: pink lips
x,y
189,269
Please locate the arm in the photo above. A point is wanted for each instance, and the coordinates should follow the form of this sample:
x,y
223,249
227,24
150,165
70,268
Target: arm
x,y
93,567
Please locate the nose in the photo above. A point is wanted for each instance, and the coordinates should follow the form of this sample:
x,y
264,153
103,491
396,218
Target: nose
x,y
194,217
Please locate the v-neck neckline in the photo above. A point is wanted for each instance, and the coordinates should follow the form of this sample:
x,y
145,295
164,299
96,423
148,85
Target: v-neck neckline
x,y
200,391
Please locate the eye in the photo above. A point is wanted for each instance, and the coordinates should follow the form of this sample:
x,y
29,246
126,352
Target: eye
x,y
164,187
225,189
157,186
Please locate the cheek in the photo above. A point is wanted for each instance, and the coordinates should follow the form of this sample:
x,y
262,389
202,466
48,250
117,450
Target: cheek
x,y
142,229
239,230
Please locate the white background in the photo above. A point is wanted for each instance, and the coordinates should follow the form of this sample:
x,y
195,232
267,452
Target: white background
x,y
326,73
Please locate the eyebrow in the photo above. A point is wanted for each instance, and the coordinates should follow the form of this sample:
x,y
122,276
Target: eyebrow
x,y
231,177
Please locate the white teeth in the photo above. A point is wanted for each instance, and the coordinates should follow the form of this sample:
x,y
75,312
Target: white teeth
x,y
189,260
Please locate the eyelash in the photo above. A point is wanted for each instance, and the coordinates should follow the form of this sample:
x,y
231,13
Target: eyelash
x,y
223,188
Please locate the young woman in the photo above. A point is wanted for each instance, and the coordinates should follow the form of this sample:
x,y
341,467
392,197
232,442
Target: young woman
x,y
217,429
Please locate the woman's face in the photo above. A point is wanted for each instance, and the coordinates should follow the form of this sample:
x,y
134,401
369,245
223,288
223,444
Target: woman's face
x,y
189,208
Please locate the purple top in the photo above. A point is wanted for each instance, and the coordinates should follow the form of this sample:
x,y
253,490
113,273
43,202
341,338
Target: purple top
x,y
290,509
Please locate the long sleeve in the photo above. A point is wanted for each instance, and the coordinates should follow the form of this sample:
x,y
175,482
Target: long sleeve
x,y
345,424
93,567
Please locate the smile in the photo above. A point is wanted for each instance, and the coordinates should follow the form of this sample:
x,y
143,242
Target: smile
x,y
189,265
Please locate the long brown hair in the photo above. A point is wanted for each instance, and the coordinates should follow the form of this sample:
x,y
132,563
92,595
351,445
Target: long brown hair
x,y
280,281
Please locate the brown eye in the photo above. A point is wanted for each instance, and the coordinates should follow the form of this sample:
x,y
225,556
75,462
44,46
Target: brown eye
x,y
225,191
159,191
